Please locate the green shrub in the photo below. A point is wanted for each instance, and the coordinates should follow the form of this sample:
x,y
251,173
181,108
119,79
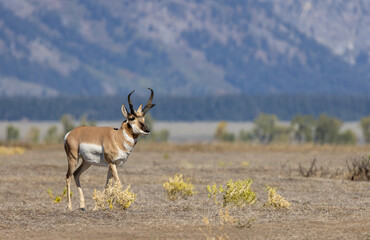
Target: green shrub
x,y
365,126
52,135
214,191
176,187
12,134
58,198
347,137
245,136
238,193
33,135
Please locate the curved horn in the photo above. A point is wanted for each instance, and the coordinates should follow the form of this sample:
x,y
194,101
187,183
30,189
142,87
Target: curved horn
x,y
149,105
130,103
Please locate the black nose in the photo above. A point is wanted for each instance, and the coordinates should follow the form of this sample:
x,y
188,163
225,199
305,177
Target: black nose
x,y
146,129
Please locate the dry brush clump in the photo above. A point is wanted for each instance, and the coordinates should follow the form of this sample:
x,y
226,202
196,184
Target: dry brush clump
x,y
112,196
213,232
227,223
176,187
358,168
310,171
275,200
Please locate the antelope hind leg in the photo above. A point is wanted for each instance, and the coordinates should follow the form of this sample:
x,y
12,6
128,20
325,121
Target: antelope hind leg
x,y
83,167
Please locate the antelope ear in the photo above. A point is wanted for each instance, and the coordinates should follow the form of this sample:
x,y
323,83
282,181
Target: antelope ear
x,y
139,110
124,111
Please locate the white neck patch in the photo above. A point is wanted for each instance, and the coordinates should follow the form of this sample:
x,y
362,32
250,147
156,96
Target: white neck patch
x,y
127,137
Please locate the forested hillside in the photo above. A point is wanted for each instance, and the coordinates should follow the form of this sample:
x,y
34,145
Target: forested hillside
x,y
187,48
233,108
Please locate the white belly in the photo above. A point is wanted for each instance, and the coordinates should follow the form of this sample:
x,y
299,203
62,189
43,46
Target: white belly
x,y
93,154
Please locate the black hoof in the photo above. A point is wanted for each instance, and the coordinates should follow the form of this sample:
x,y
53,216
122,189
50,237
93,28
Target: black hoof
x,y
82,209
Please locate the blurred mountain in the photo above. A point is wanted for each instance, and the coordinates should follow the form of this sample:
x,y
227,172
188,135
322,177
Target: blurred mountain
x,y
186,48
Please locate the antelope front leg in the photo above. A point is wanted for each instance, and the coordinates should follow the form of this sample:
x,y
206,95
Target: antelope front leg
x,y
68,184
109,176
113,171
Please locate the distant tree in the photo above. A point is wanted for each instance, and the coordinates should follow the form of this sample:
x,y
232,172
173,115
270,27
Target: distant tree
x,y
52,135
327,130
265,127
245,136
303,127
365,126
67,122
162,136
221,133
348,137
281,134
85,122
12,134
220,130
33,135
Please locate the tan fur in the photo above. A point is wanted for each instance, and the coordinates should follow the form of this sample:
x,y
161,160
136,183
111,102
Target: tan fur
x,y
109,138
112,141
103,146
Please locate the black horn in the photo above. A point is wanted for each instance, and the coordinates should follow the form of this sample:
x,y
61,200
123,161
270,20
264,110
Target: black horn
x,y
149,105
130,103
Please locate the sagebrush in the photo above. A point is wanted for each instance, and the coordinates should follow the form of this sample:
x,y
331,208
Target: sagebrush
x,y
238,193
275,200
113,195
176,187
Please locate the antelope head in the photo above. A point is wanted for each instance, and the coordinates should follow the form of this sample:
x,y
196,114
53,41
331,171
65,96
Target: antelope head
x,y
136,119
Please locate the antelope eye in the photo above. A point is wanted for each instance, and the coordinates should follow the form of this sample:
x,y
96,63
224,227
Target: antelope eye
x,y
131,119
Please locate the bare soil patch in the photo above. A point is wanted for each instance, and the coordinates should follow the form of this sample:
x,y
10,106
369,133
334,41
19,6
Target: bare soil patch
x,y
324,206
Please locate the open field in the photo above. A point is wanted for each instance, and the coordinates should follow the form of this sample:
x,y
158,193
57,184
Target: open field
x,y
324,206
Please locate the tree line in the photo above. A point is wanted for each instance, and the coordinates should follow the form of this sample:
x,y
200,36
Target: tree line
x,y
302,129
266,130
177,108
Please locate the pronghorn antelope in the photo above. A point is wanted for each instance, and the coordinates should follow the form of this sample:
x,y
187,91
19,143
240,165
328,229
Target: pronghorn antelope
x,y
104,146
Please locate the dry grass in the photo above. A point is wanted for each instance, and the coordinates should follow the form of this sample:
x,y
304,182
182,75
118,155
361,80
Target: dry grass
x,y
5,150
245,147
323,207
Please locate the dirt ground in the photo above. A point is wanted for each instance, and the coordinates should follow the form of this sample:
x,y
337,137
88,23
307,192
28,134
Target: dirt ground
x,y
324,206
